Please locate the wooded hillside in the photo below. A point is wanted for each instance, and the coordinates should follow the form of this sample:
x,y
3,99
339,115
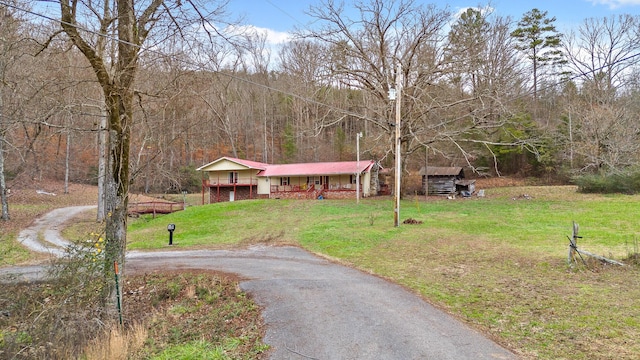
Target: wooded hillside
x,y
474,94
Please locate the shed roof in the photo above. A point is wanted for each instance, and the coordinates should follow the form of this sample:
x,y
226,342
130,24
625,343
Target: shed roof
x,y
322,168
442,171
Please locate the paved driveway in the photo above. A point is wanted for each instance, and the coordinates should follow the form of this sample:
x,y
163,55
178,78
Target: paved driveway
x,y
316,309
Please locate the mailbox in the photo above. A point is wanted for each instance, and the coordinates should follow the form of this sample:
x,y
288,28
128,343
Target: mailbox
x,y
171,228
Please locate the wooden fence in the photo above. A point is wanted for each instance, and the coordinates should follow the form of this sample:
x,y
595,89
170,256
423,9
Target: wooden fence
x,y
154,207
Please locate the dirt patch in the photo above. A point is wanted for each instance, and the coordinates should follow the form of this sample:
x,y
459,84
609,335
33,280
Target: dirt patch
x,y
494,182
412,221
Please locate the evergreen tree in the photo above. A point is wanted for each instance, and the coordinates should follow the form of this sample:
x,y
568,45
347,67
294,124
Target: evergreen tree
x,y
538,38
467,45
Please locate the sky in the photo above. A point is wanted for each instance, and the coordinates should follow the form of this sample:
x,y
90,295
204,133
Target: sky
x,y
278,17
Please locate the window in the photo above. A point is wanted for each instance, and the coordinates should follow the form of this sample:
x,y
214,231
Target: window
x,y
233,177
353,179
284,181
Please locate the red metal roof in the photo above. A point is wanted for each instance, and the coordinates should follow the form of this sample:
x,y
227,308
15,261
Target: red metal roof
x,y
323,168
248,163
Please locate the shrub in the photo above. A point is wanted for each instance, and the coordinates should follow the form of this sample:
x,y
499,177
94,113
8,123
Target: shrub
x,y
622,183
55,319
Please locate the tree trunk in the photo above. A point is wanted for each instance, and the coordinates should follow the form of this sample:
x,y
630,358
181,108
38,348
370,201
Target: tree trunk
x,y
66,162
117,181
102,166
117,88
3,185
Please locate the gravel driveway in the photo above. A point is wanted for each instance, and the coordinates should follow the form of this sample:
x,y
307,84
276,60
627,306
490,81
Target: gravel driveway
x,y
316,309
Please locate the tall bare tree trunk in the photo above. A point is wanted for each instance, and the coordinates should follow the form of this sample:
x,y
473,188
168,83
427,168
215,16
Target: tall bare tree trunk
x,y
3,186
102,165
117,88
66,162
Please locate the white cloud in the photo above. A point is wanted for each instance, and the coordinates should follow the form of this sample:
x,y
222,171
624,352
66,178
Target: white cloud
x,y
615,4
275,37
272,37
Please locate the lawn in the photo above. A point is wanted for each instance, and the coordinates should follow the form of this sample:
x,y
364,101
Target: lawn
x,y
498,263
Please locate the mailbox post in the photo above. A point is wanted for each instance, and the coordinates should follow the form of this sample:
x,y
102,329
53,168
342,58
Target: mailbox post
x,y
184,199
171,228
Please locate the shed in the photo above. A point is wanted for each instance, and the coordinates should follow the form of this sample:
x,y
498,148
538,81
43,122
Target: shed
x,y
445,180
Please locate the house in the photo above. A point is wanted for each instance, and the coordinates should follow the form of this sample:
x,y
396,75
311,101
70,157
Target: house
x,y
230,179
445,180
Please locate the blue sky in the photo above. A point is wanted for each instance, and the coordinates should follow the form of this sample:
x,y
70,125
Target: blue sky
x,y
280,16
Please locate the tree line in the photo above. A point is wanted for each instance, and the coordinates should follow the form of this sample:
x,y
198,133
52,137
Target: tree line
x,y
485,91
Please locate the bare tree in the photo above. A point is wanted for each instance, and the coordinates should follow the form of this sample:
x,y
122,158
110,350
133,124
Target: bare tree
x,y
116,77
130,23
13,49
603,52
365,51
603,55
436,112
607,138
6,28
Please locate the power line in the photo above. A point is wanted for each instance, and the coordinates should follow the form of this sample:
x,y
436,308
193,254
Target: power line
x,y
284,12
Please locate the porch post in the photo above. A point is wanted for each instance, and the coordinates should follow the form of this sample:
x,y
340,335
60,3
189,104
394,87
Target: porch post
x,y
358,136
218,196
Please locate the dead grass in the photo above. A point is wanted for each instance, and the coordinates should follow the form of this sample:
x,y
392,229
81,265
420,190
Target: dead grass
x,y
534,305
59,320
116,344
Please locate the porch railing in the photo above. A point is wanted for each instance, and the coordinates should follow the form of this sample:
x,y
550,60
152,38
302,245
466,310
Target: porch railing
x,y
312,187
226,182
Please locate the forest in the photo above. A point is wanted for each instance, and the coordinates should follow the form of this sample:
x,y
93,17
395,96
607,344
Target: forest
x,y
497,95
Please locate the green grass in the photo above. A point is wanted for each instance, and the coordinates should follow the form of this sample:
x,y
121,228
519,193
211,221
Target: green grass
x,y
341,227
216,225
11,251
498,263
197,350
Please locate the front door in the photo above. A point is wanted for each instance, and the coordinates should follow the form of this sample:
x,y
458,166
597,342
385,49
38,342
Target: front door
x,y
232,196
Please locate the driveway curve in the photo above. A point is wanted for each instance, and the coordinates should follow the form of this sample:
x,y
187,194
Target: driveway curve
x,y
316,309
47,228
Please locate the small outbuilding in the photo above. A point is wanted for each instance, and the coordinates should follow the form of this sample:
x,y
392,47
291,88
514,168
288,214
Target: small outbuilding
x,y
438,180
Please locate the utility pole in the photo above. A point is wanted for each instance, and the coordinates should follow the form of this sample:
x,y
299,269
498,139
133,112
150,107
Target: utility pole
x,y
396,213
426,178
358,136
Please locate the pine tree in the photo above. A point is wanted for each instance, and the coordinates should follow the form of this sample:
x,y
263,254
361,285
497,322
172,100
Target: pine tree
x,y
538,38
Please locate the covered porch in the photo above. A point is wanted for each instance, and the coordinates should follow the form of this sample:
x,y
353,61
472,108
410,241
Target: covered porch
x,y
312,187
